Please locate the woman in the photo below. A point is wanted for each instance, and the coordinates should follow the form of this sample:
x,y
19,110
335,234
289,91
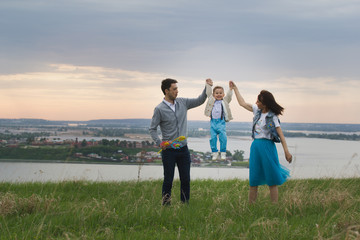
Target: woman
x,y
264,161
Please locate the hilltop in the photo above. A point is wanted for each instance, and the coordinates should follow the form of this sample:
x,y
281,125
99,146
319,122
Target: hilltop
x,y
308,209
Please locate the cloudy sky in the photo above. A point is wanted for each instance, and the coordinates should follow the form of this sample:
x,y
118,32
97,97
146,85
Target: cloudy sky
x,y
105,59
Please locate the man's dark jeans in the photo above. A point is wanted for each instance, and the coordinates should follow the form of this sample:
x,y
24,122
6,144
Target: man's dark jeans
x,y
182,159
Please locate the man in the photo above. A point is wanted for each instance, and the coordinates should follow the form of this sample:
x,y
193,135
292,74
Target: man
x,y
171,116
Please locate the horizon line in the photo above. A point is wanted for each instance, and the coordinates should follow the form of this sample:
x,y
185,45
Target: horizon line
x,y
114,119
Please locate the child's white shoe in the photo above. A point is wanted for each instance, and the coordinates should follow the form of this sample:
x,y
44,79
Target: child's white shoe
x,y
223,155
214,156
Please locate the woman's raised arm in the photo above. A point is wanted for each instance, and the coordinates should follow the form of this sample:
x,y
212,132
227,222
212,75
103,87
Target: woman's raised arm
x,y
240,99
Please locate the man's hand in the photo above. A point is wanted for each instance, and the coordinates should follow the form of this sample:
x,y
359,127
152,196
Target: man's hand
x,y
164,145
209,81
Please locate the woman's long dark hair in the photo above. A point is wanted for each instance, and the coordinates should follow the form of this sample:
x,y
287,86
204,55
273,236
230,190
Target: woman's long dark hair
x,y
266,98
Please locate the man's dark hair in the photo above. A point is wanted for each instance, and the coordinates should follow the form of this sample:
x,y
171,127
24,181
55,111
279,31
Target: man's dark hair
x,y
166,84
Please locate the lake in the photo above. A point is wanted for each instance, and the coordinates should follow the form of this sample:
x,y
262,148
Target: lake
x,y
312,158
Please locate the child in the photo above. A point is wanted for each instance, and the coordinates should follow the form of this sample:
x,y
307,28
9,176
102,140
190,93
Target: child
x,y
264,163
217,108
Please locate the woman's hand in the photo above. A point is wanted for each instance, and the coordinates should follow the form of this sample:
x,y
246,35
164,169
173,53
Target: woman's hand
x,y
232,85
288,157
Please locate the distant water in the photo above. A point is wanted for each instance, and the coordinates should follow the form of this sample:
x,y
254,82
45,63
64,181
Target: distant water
x,y
43,172
313,158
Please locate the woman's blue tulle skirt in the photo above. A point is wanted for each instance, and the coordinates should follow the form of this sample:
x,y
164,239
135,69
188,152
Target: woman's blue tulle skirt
x,y
264,164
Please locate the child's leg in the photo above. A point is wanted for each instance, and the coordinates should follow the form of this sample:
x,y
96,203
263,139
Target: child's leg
x,y
222,136
213,136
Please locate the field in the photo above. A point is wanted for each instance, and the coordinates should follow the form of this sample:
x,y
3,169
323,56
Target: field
x,y
307,209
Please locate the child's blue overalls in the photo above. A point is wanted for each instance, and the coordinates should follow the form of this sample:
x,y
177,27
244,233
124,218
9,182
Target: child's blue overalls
x,y
218,128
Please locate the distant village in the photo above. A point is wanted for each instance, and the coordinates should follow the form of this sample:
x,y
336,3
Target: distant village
x,y
123,151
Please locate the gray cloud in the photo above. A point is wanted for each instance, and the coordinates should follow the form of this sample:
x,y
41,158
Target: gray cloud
x,y
226,38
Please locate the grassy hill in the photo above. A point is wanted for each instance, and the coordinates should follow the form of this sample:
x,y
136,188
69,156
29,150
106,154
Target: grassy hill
x,y
308,209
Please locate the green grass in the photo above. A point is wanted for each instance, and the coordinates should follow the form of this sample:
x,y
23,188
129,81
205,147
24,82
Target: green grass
x,y
307,209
